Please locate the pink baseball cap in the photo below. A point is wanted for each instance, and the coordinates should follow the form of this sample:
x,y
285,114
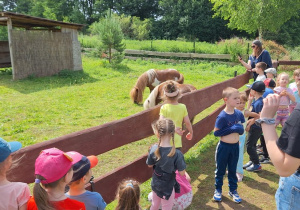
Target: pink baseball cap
x,y
53,164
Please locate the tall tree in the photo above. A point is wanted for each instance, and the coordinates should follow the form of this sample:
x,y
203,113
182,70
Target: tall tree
x,y
256,15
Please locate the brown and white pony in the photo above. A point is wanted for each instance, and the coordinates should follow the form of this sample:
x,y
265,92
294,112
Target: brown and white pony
x,y
151,79
156,95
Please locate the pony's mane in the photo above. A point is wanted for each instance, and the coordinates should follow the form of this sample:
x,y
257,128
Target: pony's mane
x,y
151,75
150,101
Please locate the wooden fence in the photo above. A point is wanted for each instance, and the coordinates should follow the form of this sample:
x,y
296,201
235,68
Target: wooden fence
x,y
102,138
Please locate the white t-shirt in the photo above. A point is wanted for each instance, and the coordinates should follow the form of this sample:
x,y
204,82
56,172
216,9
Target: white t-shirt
x,y
14,195
260,78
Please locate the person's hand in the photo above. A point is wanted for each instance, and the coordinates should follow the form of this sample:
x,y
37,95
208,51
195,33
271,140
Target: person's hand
x,y
298,85
271,103
247,129
240,58
189,136
250,98
179,131
283,93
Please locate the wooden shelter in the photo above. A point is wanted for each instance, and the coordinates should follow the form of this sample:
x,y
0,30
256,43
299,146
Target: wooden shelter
x,y
38,46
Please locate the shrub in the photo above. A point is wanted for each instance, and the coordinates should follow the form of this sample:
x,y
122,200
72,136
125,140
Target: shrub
x,y
276,51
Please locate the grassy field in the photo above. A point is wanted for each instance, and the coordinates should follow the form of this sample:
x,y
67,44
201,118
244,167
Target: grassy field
x,y
39,109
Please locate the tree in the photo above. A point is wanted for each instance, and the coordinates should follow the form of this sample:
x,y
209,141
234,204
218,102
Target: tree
x,y
256,15
111,36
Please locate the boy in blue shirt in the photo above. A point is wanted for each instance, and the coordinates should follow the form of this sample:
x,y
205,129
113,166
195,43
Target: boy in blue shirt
x,y
255,131
82,173
228,126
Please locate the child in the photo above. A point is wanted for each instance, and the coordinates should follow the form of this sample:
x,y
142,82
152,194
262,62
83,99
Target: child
x,y
53,171
82,173
254,131
128,195
294,88
165,160
271,73
286,95
260,68
228,126
176,112
270,85
239,168
14,195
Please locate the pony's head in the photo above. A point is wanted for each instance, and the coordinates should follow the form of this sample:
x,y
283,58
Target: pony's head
x,y
136,95
151,100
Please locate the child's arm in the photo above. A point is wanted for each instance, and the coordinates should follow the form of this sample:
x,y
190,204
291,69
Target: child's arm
x,y
250,99
189,127
291,96
182,173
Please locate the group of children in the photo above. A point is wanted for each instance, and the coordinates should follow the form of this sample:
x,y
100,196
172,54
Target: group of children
x,y
55,169
230,125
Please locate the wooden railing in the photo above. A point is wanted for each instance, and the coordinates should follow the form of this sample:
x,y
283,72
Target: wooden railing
x,y
102,138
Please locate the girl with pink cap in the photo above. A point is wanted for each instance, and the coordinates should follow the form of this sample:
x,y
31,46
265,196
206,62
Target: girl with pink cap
x,y
53,171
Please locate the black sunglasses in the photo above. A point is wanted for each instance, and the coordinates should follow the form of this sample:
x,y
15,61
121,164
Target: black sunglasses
x,y
253,46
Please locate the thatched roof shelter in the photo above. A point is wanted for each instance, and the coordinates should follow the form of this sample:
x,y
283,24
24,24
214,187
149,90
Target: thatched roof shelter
x,y
38,46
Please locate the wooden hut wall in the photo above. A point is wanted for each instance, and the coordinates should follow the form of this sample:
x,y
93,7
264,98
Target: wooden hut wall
x,y
4,54
40,53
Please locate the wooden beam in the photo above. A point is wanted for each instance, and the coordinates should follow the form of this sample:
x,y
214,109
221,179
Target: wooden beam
x,y
9,29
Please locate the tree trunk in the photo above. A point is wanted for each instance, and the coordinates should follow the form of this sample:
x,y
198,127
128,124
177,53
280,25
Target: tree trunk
x,y
109,54
260,34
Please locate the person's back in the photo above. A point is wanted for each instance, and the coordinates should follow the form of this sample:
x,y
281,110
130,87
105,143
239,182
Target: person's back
x,y
81,176
14,195
176,112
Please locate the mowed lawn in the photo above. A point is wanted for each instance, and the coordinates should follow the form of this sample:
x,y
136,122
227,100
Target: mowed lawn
x,y
39,109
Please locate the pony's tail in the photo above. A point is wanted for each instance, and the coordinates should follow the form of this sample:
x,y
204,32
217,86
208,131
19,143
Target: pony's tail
x,y
136,95
181,79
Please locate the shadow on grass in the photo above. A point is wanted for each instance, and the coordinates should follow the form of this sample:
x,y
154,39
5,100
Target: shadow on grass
x,y
35,84
201,169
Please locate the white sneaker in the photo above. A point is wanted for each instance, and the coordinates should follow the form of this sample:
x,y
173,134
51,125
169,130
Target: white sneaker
x,y
239,177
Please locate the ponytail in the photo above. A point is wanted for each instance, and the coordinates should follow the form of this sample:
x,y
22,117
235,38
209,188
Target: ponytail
x,y
173,150
41,196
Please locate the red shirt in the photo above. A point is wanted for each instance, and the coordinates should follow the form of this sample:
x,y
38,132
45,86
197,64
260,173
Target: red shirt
x,y
67,204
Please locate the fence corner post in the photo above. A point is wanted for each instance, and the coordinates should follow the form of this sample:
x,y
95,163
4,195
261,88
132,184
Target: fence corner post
x,y
235,73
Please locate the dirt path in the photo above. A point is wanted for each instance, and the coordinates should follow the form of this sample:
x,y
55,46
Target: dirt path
x,y
257,189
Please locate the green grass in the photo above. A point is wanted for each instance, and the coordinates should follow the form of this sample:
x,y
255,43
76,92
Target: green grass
x,y
38,109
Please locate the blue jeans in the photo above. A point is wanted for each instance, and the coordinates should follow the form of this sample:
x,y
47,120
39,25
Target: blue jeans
x,y
288,193
239,168
227,155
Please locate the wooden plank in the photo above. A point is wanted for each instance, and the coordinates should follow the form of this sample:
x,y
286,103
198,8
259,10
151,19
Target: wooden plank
x,y
4,65
288,63
211,56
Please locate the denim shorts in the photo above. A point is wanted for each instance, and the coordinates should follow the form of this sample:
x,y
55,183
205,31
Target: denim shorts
x,y
288,193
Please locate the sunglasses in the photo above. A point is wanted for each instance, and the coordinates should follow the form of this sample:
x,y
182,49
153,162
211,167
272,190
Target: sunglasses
x,y
253,46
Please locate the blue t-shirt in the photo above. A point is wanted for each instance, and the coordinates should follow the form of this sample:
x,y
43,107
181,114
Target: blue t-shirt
x,y
91,200
229,123
257,106
297,97
267,92
264,57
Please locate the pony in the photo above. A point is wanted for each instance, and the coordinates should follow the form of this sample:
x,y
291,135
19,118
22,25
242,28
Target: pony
x,y
156,95
151,79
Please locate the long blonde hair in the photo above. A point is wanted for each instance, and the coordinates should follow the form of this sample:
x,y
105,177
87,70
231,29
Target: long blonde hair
x,y
164,127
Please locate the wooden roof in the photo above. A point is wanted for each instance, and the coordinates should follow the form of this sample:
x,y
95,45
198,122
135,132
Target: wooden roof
x,y
28,22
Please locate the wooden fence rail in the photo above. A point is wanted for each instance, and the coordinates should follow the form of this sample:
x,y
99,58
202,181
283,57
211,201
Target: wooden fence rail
x,y
102,138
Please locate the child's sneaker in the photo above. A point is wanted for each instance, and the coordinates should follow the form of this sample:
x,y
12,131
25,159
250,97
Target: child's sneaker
x,y
254,167
235,196
218,195
239,177
264,160
247,165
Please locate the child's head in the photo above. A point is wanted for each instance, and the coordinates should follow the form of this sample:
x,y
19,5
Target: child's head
x,y
128,195
243,101
296,75
6,148
282,79
162,128
231,96
258,88
171,91
82,170
270,83
271,72
260,67
53,168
